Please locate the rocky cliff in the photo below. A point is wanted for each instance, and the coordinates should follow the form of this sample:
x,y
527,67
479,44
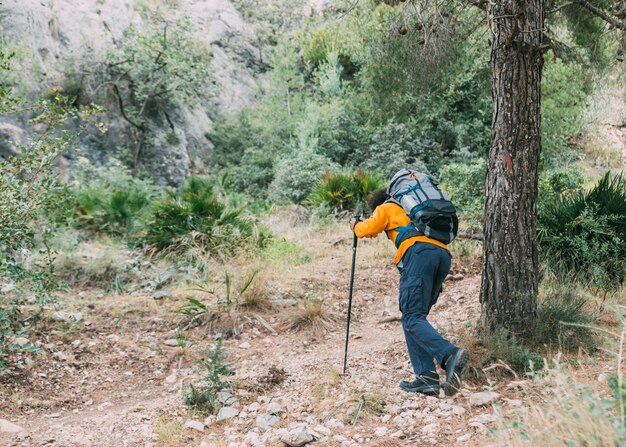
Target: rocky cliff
x,y
51,35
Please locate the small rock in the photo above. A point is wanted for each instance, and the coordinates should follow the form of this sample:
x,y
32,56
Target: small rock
x,y
194,425
209,421
266,421
399,421
245,345
458,410
20,341
113,338
226,397
9,427
334,423
172,377
161,295
226,413
297,437
9,287
60,356
322,430
483,398
55,415
274,408
380,432
430,428
172,342
602,378
514,403
484,418
464,438
254,406
61,315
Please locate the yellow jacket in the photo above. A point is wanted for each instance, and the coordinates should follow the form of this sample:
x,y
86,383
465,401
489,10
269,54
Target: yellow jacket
x,y
387,217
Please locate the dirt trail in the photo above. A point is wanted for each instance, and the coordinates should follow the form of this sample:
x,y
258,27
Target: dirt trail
x,y
124,389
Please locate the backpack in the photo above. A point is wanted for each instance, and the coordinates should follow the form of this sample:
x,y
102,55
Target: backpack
x,y
430,210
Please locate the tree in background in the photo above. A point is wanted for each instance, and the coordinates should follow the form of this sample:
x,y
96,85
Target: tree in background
x,y
147,75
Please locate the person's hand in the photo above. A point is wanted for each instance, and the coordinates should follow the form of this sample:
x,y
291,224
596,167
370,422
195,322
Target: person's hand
x,y
352,223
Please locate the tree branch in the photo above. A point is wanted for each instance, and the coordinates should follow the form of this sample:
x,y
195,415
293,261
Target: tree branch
x,y
123,111
603,15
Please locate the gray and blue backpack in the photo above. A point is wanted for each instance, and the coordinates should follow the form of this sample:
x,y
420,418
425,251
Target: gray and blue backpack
x,y
431,212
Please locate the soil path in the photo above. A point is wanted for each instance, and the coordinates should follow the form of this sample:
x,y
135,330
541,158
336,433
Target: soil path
x,y
119,384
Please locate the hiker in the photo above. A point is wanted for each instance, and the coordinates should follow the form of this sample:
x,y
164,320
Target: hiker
x,y
424,263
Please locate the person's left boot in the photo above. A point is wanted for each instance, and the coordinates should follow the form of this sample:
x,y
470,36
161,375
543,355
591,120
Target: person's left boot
x,y
427,383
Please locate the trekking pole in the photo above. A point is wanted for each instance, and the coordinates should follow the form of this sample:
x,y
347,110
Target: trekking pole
x,y
354,244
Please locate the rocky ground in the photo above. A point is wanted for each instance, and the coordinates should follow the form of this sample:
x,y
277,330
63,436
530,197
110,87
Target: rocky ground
x,y
114,367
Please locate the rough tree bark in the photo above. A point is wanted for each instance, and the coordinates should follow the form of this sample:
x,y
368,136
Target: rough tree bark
x,y
510,263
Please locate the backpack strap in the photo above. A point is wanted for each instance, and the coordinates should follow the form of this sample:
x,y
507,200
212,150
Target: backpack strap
x,y
404,233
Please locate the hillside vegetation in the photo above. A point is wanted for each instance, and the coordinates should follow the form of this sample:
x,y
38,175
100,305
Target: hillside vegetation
x,y
175,260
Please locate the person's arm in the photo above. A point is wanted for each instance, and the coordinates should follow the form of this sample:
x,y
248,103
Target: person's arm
x,y
374,225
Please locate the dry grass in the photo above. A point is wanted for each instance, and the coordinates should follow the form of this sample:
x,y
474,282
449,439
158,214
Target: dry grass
x,y
171,433
311,313
572,415
93,265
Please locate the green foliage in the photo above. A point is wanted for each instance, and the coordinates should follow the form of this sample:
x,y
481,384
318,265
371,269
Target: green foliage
x,y
464,182
110,200
511,351
201,394
296,175
344,191
30,194
279,249
395,146
563,322
157,68
582,234
196,218
105,269
564,91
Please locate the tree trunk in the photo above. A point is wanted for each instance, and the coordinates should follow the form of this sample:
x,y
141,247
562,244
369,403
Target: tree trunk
x,y
510,263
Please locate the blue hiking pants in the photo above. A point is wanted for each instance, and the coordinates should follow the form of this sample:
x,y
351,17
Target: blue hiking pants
x,y
422,271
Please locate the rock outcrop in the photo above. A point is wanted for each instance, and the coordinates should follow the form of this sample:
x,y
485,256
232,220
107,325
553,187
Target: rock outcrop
x,y
52,33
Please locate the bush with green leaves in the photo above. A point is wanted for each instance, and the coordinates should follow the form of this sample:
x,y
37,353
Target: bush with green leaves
x,y
582,235
201,395
150,72
564,91
464,182
297,174
110,200
30,193
196,218
395,146
345,191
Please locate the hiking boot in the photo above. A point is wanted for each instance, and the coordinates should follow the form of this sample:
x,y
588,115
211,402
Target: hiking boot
x,y
455,365
427,383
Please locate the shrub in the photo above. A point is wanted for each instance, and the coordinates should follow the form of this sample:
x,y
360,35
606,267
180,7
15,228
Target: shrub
x,y
93,267
310,313
110,200
562,323
296,175
196,218
343,191
201,394
464,183
564,91
396,146
29,190
583,235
